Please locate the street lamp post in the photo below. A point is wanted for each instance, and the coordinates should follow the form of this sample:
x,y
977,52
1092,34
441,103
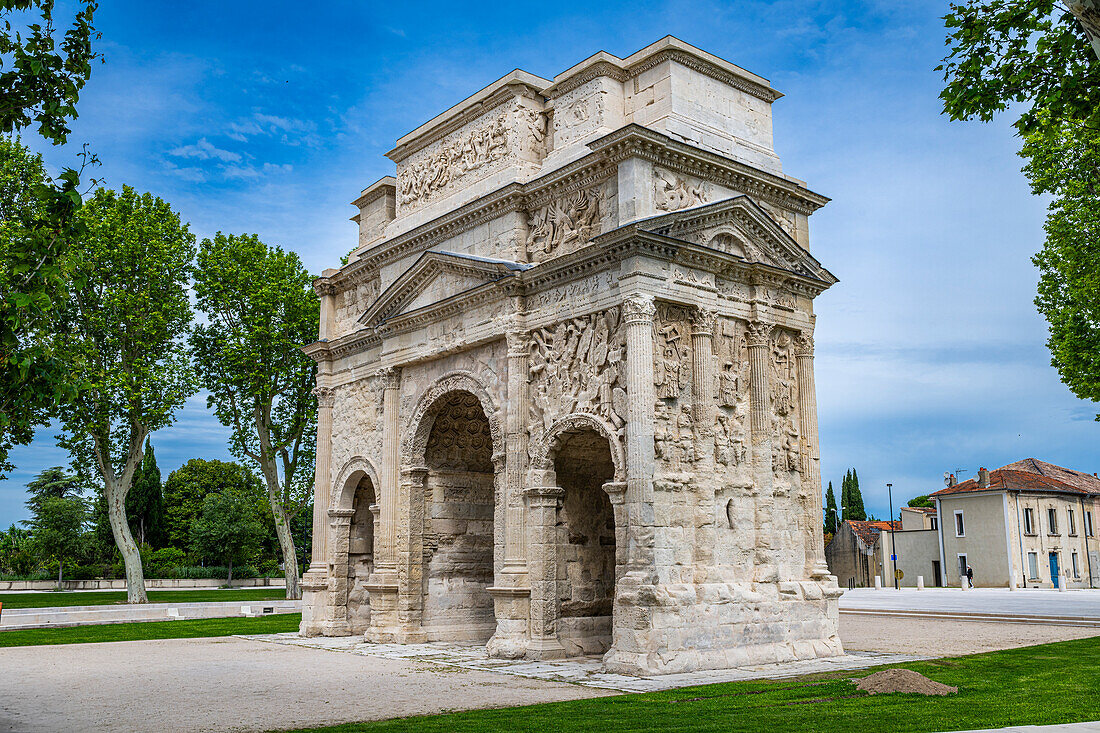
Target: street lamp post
x,y
893,541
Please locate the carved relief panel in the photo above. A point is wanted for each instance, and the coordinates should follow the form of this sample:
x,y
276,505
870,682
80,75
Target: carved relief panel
x,y
356,420
673,191
674,428
732,392
568,222
578,366
784,398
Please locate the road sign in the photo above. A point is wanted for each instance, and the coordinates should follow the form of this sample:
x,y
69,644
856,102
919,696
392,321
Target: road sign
x,y
899,574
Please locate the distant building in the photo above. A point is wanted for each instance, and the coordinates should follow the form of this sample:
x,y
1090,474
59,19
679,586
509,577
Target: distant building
x,y
855,554
1028,524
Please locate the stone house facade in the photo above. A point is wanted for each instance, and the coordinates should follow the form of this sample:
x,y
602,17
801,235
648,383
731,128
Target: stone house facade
x,y
566,386
1029,524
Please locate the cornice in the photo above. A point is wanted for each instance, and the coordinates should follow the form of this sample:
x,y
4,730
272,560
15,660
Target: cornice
x,y
595,71
760,91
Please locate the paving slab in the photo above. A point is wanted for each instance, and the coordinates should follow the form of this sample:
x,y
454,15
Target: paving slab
x,y
584,671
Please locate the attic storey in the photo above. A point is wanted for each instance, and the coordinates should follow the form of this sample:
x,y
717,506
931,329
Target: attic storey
x,y
570,366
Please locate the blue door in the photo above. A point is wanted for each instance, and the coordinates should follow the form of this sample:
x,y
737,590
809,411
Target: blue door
x,y
1054,568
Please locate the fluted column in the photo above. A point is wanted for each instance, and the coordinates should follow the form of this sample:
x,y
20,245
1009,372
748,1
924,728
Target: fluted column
x,y
390,469
811,458
322,479
702,375
638,312
516,450
759,341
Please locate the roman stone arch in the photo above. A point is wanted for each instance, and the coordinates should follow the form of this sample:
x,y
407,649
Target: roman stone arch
x,y
418,429
353,529
546,447
452,479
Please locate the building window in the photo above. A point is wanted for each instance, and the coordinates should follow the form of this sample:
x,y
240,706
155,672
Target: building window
x,y
935,522
1029,521
959,528
1076,569
1033,566
1071,524
1088,524
962,566
1052,520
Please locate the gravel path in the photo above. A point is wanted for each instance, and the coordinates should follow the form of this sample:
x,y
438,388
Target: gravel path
x,y
236,685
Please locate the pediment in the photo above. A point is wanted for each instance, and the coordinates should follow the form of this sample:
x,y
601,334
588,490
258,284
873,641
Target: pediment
x,y
434,278
742,228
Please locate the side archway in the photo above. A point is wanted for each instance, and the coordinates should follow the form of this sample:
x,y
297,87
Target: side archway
x,y
548,445
355,470
353,527
418,429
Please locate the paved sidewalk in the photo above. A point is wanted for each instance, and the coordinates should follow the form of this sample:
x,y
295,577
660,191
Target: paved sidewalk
x,y
586,671
1033,604
59,616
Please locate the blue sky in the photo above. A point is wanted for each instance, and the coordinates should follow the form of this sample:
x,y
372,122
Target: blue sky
x,y
267,118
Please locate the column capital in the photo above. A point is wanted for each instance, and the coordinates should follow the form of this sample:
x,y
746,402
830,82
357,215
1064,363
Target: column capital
x,y
543,496
326,396
391,377
804,345
759,333
518,342
414,473
638,308
324,286
339,517
703,321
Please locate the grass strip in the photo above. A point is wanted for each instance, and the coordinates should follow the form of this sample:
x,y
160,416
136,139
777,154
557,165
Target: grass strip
x,y
1039,685
184,629
103,598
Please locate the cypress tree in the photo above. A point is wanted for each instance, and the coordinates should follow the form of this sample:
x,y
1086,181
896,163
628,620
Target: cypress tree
x,y
846,495
855,497
145,502
830,511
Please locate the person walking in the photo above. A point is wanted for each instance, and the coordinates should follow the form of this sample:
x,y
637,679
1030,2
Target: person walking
x,y
969,576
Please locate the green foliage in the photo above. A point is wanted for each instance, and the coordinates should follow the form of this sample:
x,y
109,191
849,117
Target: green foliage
x,y
124,339
165,560
53,483
145,502
1064,163
227,529
921,501
261,309
830,511
851,499
40,82
17,557
191,483
56,529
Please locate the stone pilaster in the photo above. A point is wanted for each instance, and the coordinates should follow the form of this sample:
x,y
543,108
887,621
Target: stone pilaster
x,y
322,480
638,312
327,293
516,452
542,568
811,456
410,559
338,581
702,375
389,471
759,343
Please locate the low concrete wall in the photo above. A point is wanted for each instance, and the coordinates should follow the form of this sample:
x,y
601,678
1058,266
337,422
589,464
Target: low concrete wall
x,y
39,618
150,584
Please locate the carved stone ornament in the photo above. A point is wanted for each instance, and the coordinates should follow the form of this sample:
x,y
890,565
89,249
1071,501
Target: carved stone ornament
x,y
639,308
453,160
703,321
673,192
804,345
390,378
758,333
565,224
326,396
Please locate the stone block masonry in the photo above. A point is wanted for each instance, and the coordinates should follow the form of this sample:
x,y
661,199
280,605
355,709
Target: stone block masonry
x,y
568,383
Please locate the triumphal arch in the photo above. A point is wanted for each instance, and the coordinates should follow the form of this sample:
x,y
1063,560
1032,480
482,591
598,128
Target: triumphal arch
x,y
566,384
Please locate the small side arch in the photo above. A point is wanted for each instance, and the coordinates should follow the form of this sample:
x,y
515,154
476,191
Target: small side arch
x,y
547,446
418,429
343,495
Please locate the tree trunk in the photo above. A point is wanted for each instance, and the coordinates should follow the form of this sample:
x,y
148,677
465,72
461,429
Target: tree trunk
x,y
124,540
229,581
282,529
60,573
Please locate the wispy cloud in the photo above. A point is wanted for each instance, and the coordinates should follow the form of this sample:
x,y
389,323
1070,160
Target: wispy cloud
x,y
205,150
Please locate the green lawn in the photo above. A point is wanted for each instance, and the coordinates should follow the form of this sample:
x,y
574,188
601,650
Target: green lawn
x,y
186,629
1053,683
100,598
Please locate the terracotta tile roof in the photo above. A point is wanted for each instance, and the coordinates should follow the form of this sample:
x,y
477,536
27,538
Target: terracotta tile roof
x,y
1031,475
868,532
925,509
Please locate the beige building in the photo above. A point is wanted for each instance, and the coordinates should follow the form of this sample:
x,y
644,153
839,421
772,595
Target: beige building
x,y
566,385
1029,524
854,554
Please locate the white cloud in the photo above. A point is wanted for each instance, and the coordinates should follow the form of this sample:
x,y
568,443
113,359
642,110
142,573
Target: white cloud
x,y
205,150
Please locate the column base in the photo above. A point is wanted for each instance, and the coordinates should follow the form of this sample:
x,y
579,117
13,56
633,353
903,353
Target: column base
x,y
512,606
335,628
542,648
382,592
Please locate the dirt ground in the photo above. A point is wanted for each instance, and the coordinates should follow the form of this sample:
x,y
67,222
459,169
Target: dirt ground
x,y
241,685
947,638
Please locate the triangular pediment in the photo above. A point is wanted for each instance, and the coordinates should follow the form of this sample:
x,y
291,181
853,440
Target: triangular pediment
x,y
434,278
741,228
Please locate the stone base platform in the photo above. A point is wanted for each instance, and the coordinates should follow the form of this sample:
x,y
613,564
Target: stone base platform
x,y
586,671
61,616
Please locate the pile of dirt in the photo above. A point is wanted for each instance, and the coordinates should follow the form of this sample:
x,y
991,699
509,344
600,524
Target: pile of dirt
x,y
902,680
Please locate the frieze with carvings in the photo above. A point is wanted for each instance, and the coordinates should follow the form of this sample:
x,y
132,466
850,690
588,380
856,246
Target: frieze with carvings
x,y
578,366
571,292
454,159
786,453
673,191
565,224
731,391
674,433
